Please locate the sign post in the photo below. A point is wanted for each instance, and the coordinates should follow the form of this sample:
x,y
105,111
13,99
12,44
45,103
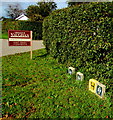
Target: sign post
x,y
31,46
20,38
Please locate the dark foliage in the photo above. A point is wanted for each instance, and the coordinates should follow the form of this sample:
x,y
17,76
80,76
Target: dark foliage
x,y
82,36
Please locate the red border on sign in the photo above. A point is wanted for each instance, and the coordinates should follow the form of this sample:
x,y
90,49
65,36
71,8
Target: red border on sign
x,y
20,34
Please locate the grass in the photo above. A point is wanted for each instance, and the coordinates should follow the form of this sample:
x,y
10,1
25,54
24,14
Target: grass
x,y
4,36
41,88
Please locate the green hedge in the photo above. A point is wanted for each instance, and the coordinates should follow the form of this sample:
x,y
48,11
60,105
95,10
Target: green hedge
x,y
82,37
36,27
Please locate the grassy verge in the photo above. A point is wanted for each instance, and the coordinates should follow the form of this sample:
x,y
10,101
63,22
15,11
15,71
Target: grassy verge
x,y
41,88
4,36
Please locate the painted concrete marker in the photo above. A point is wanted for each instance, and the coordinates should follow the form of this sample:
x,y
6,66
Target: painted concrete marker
x,y
97,88
92,85
71,70
100,90
20,38
79,76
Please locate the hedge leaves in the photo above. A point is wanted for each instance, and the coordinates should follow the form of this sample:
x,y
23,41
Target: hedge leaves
x,y
82,36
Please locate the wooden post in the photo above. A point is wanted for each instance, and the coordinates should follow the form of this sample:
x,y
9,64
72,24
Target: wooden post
x,y
31,53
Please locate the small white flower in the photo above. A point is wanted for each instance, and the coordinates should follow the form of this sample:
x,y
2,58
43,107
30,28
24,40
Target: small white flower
x,y
94,33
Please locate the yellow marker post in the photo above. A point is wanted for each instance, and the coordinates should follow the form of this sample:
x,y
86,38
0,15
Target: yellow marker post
x,y
93,85
97,88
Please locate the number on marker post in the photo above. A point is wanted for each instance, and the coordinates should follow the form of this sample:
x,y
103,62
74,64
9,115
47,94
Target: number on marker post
x,y
79,76
100,90
92,85
71,70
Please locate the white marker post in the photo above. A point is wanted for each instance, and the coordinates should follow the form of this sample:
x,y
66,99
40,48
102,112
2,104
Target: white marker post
x,y
71,70
100,90
79,76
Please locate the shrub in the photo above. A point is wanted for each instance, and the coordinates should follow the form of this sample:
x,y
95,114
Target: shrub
x,y
9,25
36,27
82,36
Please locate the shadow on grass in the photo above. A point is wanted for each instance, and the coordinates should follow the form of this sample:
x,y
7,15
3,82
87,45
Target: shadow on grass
x,y
41,56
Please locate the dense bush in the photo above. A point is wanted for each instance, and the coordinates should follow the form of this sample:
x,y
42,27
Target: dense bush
x,y
82,36
9,25
36,27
